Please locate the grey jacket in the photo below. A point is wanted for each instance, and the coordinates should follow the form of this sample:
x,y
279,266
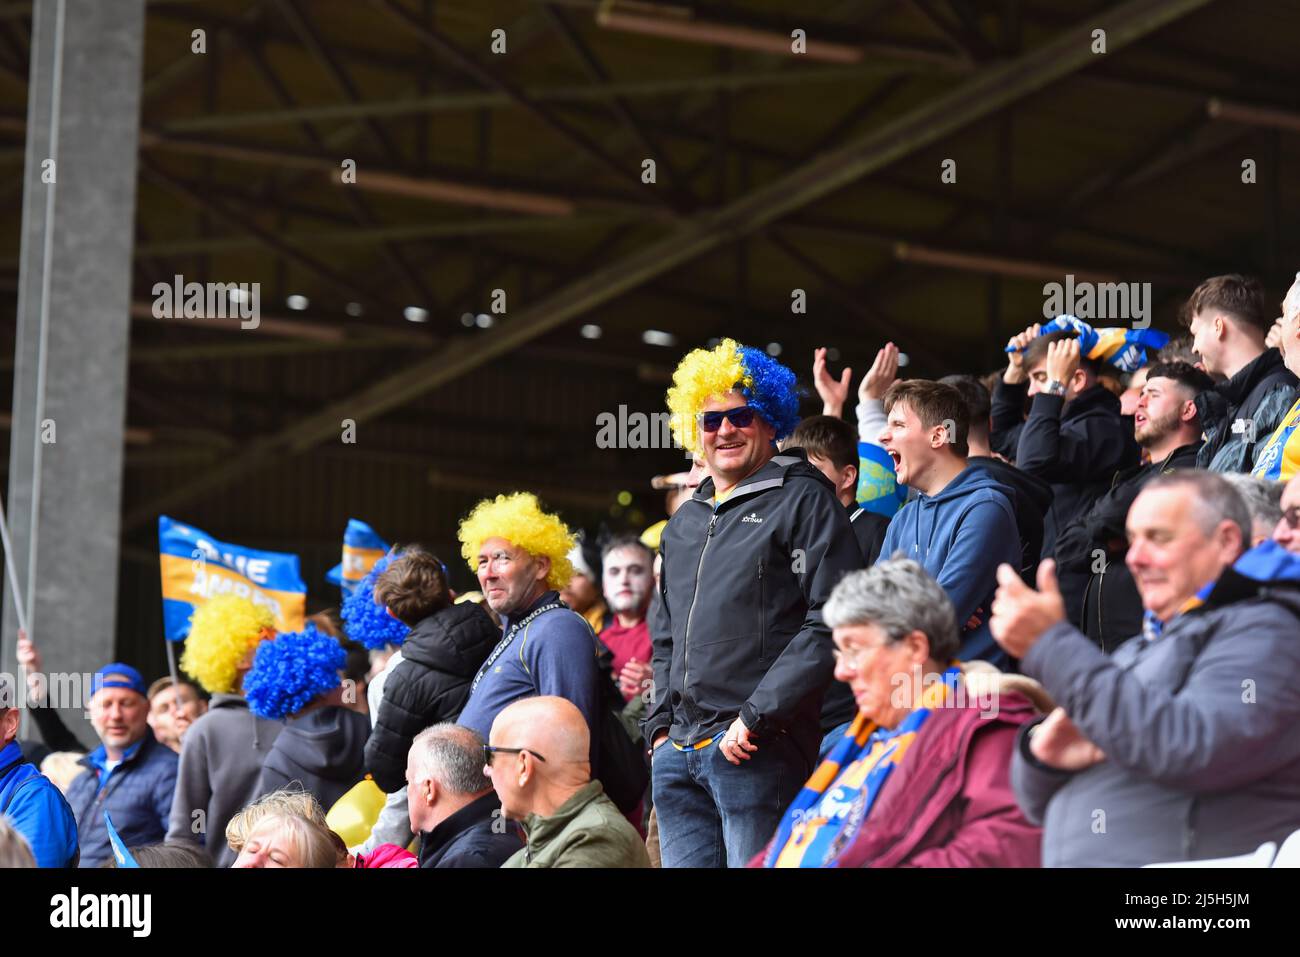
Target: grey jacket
x,y
1198,727
221,763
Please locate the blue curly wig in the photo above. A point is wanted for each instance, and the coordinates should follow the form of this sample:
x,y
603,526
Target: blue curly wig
x,y
292,671
773,391
767,386
367,622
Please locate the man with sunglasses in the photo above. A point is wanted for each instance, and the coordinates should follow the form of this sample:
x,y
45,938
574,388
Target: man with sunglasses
x,y
742,657
1287,533
537,760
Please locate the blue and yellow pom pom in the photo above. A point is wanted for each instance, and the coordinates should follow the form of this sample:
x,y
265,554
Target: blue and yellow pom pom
x,y
702,374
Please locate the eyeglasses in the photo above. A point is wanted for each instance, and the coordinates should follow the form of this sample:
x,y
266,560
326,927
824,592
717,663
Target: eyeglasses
x,y
489,750
851,658
1292,518
742,417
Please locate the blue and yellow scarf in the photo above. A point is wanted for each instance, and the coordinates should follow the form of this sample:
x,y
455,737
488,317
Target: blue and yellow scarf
x,y
828,813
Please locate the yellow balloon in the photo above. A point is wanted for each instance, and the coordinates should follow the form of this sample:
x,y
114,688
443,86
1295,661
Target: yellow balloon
x,y
354,815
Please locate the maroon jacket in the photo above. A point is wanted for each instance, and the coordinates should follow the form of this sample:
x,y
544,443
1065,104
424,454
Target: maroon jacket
x,y
950,803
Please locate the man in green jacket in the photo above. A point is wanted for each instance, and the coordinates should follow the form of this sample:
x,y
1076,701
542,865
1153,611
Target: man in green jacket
x,y
537,759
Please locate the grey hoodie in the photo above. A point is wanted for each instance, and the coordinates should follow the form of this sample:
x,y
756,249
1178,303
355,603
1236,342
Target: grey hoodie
x,y
221,762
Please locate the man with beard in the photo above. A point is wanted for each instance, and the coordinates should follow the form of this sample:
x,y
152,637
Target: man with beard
x,y
629,584
1167,425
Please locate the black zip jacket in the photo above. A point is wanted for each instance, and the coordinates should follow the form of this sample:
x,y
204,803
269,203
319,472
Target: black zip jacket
x,y
1257,397
1093,548
478,835
1077,448
1031,498
738,629
430,685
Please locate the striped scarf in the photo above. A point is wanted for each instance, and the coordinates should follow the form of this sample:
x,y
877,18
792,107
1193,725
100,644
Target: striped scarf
x,y
1153,627
830,810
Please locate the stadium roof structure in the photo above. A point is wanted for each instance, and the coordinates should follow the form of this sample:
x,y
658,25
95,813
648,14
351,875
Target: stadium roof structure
x,y
461,249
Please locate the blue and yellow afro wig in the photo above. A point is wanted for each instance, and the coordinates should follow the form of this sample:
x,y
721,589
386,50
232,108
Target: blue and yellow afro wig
x,y
367,622
223,630
519,519
292,671
766,385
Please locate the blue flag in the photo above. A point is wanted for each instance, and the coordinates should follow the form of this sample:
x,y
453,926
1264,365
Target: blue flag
x,y
120,853
196,567
361,549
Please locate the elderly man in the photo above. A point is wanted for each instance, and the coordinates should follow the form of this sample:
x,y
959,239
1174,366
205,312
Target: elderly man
x,y
1287,532
520,555
451,802
173,707
1279,459
1181,745
130,775
537,759
742,657
28,798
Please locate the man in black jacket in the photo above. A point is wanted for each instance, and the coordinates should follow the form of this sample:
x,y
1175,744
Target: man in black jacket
x,y
742,657
1228,320
452,804
1166,425
1074,437
446,647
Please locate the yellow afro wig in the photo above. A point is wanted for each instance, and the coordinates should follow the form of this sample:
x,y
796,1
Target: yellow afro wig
x,y
222,631
519,519
702,373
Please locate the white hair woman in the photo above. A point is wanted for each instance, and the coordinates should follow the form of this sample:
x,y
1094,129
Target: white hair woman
x,y
921,776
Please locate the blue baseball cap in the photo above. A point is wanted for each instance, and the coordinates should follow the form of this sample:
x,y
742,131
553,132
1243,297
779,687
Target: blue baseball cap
x,y
118,675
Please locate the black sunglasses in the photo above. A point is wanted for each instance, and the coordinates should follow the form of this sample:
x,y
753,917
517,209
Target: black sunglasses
x,y
742,417
1292,517
489,750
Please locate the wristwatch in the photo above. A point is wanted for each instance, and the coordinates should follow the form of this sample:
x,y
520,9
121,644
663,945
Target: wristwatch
x,y
1054,387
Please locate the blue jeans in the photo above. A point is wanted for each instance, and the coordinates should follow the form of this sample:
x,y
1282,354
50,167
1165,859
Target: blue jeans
x,y
713,813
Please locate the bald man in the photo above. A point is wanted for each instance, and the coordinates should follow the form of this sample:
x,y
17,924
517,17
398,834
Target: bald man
x,y
537,759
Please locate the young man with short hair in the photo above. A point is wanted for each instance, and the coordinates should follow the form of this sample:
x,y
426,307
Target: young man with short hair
x,y
960,526
1228,320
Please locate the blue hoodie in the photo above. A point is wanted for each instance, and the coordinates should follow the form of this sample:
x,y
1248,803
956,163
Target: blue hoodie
x,y
960,536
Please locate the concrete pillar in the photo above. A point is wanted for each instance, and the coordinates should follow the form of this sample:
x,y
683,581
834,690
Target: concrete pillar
x,y
65,474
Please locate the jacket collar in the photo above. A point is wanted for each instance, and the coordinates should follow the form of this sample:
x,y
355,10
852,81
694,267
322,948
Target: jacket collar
x,y
477,811
1093,397
10,753
1236,389
224,700
98,759
542,829
771,474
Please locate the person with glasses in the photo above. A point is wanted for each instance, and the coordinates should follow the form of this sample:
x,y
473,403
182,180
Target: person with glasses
x,y
1287,532
536,757
921,778
451,802
742,657
1180,746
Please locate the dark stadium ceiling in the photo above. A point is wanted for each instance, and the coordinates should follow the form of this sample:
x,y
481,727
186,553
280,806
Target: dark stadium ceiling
x,y
523,170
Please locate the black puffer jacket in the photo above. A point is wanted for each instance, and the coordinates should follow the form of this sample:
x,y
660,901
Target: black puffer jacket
x,y
738,630
439,660
1241,413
